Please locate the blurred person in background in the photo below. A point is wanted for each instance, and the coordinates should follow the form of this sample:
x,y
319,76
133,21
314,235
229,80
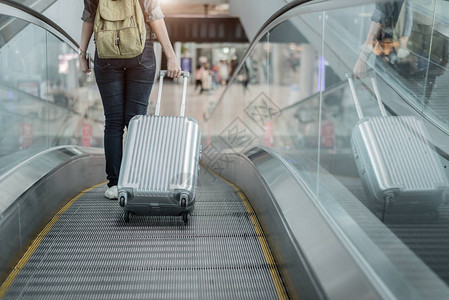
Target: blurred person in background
x,y
198,75
206,79
223,72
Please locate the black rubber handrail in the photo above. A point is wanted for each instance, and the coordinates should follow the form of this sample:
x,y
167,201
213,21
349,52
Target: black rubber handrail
x,y
276,15
41,17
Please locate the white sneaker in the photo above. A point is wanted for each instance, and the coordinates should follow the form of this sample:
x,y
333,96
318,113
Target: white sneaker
x,y
111,193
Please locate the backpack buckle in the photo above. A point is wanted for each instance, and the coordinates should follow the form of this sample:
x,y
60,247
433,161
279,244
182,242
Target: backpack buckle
x,y
117,38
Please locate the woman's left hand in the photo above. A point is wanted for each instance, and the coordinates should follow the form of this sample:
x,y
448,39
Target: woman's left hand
x,y
173,68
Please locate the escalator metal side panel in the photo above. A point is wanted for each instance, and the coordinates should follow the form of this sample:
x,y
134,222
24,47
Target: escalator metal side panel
x,y
36,189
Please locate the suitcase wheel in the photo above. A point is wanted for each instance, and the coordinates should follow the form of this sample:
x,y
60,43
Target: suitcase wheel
x,y
122,201
126,216
185,217
184,200
389,199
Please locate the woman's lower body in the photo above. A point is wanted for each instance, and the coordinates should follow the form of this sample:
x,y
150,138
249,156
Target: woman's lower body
x,y
125,86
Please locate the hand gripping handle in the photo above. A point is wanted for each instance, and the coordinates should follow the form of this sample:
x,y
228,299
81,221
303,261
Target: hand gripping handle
x,y
162,74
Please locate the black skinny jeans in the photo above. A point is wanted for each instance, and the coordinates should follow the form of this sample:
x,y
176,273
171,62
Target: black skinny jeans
x,y
125,87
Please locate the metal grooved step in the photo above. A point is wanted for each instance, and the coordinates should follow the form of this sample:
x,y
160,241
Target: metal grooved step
x,y
90,253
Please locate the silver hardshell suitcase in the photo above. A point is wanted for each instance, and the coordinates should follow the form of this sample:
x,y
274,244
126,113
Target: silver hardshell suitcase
x,y
159,170
399,168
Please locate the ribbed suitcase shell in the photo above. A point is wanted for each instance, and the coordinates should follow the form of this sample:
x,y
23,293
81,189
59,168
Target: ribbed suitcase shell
x,y
397,164
160,161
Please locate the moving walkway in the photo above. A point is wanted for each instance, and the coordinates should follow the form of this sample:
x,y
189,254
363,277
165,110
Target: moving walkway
x,y
88,252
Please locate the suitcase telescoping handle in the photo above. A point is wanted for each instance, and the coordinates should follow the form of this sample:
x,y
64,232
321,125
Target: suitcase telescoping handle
x,y
162,74
356,99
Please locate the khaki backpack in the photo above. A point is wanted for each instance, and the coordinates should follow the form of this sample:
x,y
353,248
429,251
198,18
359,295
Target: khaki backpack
x,y
119,29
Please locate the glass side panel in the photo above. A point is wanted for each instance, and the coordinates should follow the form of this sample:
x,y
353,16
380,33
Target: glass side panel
x,y
435,31
74,106
235,128
23,75
391,164
45,100
395,166
292,94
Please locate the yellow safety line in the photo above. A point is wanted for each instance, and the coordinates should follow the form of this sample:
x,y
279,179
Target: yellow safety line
x,y
22,262
275,275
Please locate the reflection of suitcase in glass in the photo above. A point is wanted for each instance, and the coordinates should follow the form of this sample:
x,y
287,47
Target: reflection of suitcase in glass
x,y
159,170
399,168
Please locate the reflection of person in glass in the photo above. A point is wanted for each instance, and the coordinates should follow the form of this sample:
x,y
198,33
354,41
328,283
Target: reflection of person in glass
x,y
429,55
388,34
125,84
412,48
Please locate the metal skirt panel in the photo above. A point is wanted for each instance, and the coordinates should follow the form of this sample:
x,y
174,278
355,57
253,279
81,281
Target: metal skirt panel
x,y
90,253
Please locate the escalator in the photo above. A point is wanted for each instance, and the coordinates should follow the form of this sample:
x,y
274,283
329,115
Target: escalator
x,y
88,252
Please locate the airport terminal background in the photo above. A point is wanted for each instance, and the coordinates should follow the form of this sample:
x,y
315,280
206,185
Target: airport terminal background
x,y
282,208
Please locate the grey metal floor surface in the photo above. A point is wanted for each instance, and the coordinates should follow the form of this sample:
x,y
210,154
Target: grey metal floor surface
x,y
90,253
